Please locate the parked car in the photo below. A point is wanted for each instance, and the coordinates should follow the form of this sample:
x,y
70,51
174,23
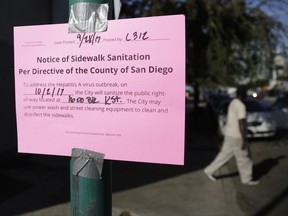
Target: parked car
x,y
259,120
215,102
280,112
256,94
281,103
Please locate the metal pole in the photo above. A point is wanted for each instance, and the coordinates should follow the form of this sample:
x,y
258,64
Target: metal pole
x,y
91,193
90,196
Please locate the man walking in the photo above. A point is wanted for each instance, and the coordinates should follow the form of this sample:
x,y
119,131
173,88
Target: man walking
x,y
235,143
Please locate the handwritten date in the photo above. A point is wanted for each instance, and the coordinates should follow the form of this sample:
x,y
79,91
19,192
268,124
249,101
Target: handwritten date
x,y
88,39
49,91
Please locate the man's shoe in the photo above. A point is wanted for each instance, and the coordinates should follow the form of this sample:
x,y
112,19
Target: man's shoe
x,y
251,183
210,176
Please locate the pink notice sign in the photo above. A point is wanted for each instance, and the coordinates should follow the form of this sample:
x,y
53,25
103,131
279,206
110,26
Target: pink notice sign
x,y
120,92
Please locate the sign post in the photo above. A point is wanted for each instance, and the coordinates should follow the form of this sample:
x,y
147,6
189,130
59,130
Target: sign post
x,y
120,92
90,187
90,190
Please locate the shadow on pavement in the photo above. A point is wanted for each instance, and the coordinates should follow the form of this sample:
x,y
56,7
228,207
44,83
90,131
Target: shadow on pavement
x,y
127,175
36,181
267,209
265,166
228,175
259,170
30,182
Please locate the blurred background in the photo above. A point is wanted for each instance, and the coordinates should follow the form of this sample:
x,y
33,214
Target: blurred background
x,y
228,42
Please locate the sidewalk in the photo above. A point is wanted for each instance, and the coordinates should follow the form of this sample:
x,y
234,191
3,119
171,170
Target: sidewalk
x,y
187,195
39,185
140,189
190,194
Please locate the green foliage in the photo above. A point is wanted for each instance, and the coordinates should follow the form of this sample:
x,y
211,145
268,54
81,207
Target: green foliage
x,y
259,83
227,40
283,77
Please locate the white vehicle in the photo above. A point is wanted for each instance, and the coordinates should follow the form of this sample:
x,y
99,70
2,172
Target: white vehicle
x,y
259,120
